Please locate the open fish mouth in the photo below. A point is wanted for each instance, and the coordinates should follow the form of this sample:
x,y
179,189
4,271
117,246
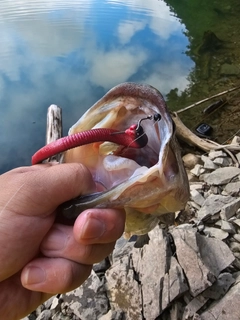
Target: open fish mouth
x,y
146,181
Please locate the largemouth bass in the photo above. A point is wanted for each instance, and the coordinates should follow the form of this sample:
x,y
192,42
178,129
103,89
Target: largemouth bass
x,y
147,182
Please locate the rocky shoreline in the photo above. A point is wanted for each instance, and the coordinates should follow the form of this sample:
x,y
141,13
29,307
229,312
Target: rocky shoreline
x,y
188,270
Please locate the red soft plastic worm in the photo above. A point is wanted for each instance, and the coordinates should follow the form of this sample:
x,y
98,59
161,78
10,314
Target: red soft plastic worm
x,y
133,137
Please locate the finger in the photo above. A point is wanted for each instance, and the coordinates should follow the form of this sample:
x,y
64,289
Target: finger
x,y
12,293
60,242
40,191
99,226
54,275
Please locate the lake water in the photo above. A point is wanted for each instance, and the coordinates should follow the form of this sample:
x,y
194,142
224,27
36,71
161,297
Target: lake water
x,y
70,53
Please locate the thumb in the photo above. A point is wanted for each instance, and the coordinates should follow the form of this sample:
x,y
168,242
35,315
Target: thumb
x,y
28,199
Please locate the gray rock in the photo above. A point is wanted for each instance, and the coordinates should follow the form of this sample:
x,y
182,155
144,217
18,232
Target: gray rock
x,y
197,170
151,263
188,258
228,227
123,290
229,209
237,237
193,306
200,257
196,185
197,197
237,222
45,315
222,162
208,163
194,205
222,175
176,311
215,254
47,304
238,156
89,301
122,248
216,233
226,308
176,279
233,188
234,246
215,154
113,315
220,287
56,304
213,204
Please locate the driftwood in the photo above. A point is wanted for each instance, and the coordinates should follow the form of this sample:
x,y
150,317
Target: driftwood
x,y
54,127
186,135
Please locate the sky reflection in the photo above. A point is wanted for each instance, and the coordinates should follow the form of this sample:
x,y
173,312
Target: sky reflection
x,y
70,53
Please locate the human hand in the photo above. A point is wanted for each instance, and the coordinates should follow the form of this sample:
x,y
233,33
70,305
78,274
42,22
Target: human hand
x,y
39,257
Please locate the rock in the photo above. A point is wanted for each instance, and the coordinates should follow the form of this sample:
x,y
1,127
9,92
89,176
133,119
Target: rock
x,y
228,227
196,186
222,175
45,315
229,209
222,162
220,287
177,282
193,306
234,247
236,237
89,301
237,222
213,204
151,264
238,157
226,308
197,197
216,233
101,267
200,258
113,315
208,163
176,311
123,289
216,154
190,160
122,248
197,170
55,305
233,188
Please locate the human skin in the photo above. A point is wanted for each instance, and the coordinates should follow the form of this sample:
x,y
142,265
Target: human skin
x,y
40,257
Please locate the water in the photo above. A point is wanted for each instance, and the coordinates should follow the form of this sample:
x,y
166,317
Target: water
x,y
70,53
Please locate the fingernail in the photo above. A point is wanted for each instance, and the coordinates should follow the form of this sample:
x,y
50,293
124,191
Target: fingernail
x,y
93,228
56,240
33,275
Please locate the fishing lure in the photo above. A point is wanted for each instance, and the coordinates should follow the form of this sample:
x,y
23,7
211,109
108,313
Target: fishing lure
x,y
133,137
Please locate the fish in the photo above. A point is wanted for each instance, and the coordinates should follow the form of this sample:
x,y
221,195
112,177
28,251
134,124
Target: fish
x,y
146,182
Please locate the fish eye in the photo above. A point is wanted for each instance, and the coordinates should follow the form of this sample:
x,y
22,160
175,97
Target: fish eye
x,y
157,117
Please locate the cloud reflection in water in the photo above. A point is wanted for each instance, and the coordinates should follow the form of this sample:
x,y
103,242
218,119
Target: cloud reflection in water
x,y
70,53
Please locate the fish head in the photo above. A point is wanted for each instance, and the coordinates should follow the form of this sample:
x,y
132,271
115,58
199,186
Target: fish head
x,y
147,182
